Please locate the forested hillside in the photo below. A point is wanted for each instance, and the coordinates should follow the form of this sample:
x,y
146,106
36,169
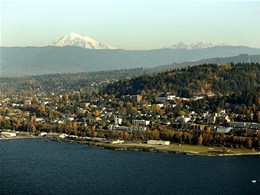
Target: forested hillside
x,y
184,82
86,82
242,58
222,79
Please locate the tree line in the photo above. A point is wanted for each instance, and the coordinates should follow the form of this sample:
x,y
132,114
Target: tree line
x,y
222,79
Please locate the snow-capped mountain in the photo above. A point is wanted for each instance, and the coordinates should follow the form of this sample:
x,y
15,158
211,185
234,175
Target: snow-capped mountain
x,y
180,45
199,45
74,39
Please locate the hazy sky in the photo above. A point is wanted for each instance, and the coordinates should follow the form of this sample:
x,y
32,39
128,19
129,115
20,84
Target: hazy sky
x,y
131,24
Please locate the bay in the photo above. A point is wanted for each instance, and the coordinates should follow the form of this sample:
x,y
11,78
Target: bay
x,y
35,166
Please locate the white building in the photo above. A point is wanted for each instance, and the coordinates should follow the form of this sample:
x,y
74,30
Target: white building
x,y
171,97
8,134
43,134
118,121
117,142
70,118
158,142
27,102
38,120
140,122
224,129
195,98
63,135
183,119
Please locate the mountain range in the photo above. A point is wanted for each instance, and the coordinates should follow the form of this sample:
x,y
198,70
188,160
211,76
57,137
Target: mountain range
x,y
74,39
74,53
199,45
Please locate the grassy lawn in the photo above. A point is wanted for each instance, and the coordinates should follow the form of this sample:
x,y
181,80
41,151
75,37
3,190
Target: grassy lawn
x,y
237,151
208,149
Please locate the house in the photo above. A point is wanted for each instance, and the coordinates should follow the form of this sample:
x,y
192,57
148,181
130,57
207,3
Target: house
x,y
118,121
84,104
27,102
171,97
38,120
195,98
183,119
70,119
26,113
137,98
210,94
160,99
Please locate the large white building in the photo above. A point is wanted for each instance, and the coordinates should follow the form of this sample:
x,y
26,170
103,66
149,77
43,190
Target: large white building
x,y
158,142
8,134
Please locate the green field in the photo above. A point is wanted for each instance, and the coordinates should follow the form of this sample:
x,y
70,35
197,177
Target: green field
x,y
208,149
186,149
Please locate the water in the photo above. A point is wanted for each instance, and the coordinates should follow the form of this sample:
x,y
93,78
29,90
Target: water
x,y
34,166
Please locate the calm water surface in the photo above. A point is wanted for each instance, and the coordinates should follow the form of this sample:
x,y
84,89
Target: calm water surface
x,y
34,166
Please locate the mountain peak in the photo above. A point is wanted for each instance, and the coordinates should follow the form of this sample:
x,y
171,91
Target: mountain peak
x,y
200,45
74,39
180,45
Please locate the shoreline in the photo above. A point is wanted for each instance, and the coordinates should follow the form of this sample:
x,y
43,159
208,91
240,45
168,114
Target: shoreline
x,y
20,137
133,146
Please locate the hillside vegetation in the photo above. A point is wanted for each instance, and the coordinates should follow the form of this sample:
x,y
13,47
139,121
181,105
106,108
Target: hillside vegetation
x,y
220,79
86,82
187,81
242,58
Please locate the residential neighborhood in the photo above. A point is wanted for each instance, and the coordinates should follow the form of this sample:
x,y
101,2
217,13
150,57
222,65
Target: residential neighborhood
x,y
108,117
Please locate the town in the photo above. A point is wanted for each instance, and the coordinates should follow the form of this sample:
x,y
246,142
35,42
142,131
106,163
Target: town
x,y
131,117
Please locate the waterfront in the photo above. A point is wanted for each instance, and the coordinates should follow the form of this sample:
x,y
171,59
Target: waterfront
x,y
34,166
